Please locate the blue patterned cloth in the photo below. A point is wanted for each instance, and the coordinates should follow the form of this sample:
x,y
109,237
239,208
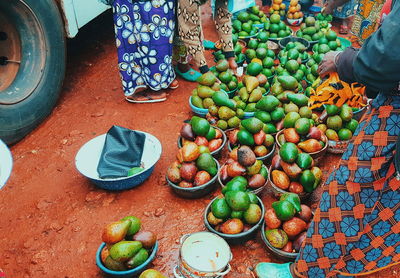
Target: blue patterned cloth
x,y
144,34
346,10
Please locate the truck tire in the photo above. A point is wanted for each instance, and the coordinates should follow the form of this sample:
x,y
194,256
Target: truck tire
x,y
32,64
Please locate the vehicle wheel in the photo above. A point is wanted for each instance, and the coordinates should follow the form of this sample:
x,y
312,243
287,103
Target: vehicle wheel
x,y
32,64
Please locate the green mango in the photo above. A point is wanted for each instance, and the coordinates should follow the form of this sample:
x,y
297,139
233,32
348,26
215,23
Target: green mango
x,y
234,122
197,101
255,168
307,180
200,126
265,117
302,126
251,107
289,152
237,214
235,185
225,113
135,225
334,122
292,198
298,99
207,79
346,113
288,82
267,103
245,138
269,128
252,125
205,91
220,208
255,95
124,250
138,259
114,265
304,161
222,99
264,172
253,214
222,65
207,163
284,210
331,109
237,200
211,133
278,114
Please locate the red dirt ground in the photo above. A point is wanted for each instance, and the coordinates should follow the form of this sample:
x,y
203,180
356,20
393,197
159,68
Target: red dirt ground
x,y
52,217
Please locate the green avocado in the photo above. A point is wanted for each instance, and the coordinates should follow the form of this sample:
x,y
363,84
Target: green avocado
x,y
138,259
207,79
302,126
206,162
267,103
289,152
278,114
304,161
252,125
307,180
298,99
220,208
124,250
235,185
346,113
290,119
284,210
237,200
222,99
245,138
265,117
288,82
200,126
292,198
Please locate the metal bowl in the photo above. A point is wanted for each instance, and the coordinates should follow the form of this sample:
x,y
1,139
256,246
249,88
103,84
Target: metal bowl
x,y
197,191
255,191
278,192
202,112
6,163
285,256
126,273
237,238
315,155
215,153
88,157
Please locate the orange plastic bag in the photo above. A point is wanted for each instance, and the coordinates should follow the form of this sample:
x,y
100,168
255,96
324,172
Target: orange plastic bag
x,y
335,91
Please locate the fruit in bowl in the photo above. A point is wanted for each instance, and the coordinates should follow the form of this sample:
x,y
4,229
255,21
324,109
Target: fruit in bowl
x,y
294,13
127,246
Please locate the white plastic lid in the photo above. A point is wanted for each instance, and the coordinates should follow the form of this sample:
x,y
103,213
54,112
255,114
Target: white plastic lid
x,y
206,252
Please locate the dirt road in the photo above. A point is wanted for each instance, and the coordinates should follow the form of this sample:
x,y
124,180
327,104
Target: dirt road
x,y
52,217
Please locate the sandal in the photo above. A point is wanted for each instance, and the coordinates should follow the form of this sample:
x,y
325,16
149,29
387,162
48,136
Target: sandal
x,y
208,44
265,270
190,75
174,84
148,97
344,29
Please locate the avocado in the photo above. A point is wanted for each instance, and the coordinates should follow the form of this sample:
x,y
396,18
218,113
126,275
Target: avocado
x,y
255,95
200,126
222,65
288,82
220,208
207,79
269,128
267,103
205,91
292,198
197,101
138,259
234,122
245,138
302,126
346,113
124,250
278,114
307,180
289,152
334,122
253,198
265,117
284,210
252,125
290,119
206,162
222,99
235,185
298,99
237,214
225,113
237,200
304,161
211,134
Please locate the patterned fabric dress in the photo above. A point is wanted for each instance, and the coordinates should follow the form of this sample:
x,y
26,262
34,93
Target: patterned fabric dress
x,y
144,34
356,229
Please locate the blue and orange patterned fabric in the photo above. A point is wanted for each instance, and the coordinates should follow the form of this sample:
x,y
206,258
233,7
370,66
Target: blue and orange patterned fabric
x,y
356,228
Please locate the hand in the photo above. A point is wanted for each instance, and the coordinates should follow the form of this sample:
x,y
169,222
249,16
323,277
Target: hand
x,y
327,64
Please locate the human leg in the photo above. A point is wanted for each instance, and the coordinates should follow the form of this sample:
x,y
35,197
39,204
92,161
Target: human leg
x,y
190,31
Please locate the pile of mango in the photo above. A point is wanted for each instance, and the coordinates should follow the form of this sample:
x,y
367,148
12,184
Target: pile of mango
x,y
277,28
195,166
295,52
337,122
252,135
127,246
196,131
228,80
245,24
237,211
311,29
277,8
243,167
287,222
294,11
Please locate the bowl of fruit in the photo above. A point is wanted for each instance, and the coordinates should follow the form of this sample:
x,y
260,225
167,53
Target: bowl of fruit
x,y
285,225
236,216
293,172
194,174
278,29
212,141
126,250
243,167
